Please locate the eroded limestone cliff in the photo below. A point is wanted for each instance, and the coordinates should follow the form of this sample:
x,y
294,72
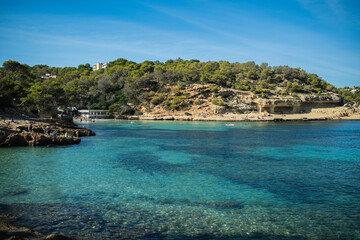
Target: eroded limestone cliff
x,y
208,99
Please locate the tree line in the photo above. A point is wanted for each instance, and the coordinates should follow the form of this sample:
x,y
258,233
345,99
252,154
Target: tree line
x,y
125,83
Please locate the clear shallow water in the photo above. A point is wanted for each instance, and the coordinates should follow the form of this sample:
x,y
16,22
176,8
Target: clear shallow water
x,y
191,180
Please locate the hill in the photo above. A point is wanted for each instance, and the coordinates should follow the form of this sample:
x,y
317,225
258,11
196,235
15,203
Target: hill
x,y
187,87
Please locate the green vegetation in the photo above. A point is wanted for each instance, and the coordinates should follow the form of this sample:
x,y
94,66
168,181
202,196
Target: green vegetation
x,y
218,102
350,95
125,83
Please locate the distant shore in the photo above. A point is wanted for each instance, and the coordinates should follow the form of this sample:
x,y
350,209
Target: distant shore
x,y
316,114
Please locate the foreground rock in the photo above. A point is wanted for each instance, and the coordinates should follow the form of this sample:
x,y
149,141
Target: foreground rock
x,y
9,232
34,139
43,133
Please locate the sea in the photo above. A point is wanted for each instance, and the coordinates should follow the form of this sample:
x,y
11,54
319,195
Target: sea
x,y
190,180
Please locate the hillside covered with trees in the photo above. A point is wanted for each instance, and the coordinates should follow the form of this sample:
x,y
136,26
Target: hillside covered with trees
x,y
125,85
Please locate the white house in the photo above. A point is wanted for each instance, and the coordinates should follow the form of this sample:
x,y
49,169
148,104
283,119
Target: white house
x,y
93,113
98,66
48,76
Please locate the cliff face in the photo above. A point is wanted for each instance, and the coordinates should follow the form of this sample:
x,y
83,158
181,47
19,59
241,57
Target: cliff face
x,y
207,99
300,104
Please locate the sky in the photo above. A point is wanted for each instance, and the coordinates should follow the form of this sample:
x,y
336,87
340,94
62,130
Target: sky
x,y
319,36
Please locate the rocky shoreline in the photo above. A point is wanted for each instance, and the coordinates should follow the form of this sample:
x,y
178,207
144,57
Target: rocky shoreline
x,y
347,112
44,132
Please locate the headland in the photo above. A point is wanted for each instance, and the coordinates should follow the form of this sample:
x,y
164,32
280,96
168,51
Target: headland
x,y
18,130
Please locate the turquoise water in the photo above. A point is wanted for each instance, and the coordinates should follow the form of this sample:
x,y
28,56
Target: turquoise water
x,y
190,180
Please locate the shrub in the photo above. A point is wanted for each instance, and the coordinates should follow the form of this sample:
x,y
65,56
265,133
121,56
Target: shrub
x,y
242,87
214,88
166,103
164,90
264,95
176,91
156,100
177,102
151,94
181,85
218,102
284,93
122,109
199,102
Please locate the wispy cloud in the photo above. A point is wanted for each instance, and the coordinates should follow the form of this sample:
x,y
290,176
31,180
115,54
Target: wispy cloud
x,y
254,44
327,11
336,7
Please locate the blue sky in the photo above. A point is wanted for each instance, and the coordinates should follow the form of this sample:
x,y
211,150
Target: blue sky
x,y
320,36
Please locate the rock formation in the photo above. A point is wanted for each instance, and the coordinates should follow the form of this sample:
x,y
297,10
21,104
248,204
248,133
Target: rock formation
x,y
34,139
44,133
204,99
211,102
299,104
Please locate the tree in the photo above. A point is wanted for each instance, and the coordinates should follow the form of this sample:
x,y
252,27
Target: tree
x,y
264,66
147,67
15,80
84,67
46,96
12,66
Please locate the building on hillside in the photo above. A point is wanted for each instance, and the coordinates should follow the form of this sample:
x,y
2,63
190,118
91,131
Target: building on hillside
x,y
93,113
98,66
48,76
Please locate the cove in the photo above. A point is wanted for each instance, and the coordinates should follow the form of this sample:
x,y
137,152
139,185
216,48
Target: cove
x,y
190,180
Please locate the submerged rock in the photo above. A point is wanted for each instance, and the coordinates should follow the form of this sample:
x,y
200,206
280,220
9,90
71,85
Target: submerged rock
x,y
8,231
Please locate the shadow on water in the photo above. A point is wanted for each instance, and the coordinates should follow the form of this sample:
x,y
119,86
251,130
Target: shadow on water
x,y
218,205
15,192
147,162
239,172
238,163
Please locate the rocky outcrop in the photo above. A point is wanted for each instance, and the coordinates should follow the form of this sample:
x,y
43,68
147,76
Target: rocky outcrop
x,y
279,105
43,133
299,104
12,138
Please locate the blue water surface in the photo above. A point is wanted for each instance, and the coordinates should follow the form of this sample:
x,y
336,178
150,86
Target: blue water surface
x,y
190,180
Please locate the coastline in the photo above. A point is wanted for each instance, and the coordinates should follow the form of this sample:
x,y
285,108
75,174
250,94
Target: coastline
x,y
318,114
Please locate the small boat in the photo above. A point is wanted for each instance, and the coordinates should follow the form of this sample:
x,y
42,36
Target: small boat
x,y
229,124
